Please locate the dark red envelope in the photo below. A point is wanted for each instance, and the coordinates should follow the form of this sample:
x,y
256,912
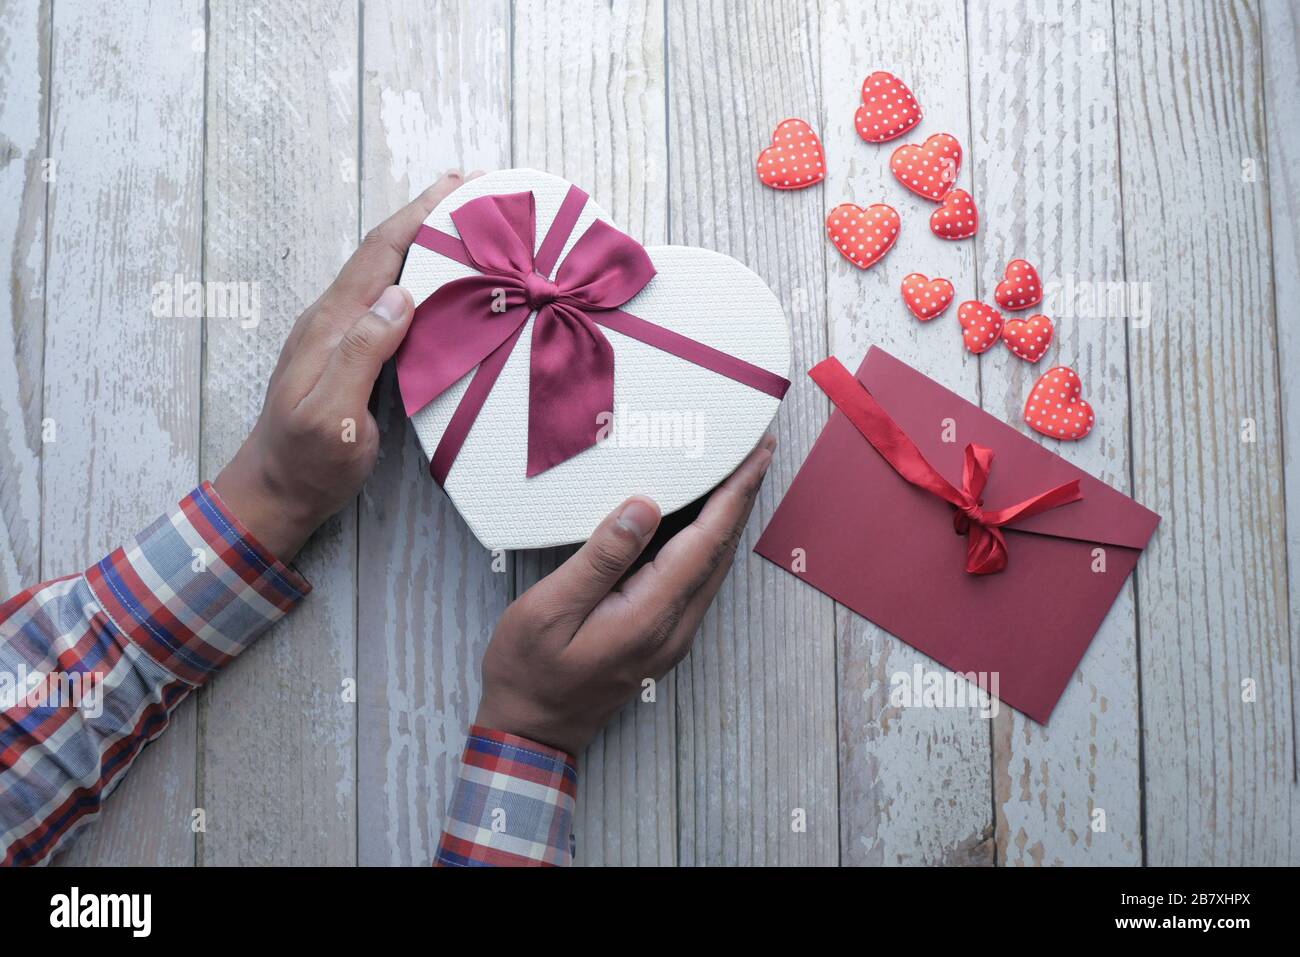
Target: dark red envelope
x,y
888,550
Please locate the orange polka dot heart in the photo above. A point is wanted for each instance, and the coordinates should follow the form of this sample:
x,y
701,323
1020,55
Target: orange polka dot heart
x,y
1021,288
862,236
888,108
1054,407
924,296
981,325
956,218
1028,338
794,160
930,169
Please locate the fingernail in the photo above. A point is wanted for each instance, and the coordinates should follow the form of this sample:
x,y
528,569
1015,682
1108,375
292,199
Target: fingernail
x,y
639,516
768,441
474,175
452,174
391,304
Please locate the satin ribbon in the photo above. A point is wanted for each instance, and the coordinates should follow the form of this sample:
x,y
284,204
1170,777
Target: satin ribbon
x,y
476,321
986,548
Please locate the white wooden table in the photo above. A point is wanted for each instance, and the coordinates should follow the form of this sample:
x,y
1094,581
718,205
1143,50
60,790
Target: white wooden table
x,y
1148,142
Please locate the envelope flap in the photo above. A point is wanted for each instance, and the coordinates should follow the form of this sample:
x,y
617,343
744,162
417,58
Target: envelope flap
x,y
929,413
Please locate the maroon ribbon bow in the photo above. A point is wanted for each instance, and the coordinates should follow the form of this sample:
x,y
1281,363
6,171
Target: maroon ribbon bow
x,y
476,321
986,547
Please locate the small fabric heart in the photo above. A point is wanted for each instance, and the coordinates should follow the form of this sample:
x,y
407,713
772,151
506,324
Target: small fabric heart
x,y
1028,338
1021,288
862,236
930,169
794,160
956,218
981,325
924,296
1054,407
888,108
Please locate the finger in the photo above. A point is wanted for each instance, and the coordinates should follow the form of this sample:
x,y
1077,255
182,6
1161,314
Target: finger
x,y
378,259
660,594
375,264
569,593
294,339
666,599
687,560
677,642
355,360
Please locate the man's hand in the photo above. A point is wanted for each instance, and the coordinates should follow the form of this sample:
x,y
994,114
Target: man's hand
x,y
574,648
316,441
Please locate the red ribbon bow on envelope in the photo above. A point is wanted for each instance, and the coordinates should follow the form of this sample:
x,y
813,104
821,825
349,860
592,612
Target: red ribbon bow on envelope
x,y
476,321
986,548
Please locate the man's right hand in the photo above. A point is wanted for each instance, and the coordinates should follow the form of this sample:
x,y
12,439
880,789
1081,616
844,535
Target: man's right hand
x,y
576,647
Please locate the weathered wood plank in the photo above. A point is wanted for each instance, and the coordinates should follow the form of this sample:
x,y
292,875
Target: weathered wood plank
x,y
589,105
914,782
428,594
24,113
1212,599
756,696
278,748
1280,27
1046,174
122,385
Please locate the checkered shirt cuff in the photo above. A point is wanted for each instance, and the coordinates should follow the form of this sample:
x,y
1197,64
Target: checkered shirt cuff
x,y
195,588
513,805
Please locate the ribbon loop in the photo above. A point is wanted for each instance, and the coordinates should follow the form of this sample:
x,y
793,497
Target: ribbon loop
x,y
986,546
498,233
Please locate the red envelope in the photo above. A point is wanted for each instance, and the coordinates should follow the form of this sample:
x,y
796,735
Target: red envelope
x,y
889,551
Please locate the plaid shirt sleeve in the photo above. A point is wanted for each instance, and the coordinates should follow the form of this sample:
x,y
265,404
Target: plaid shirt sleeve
x,y
93,665
513,805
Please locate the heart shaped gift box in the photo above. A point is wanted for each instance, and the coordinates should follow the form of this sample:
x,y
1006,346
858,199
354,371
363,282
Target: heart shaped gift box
x,y
523,318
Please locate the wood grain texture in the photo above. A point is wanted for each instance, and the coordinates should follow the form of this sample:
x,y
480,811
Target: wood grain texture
x,y
913,782
428,594
1280,28
756,696
1154,143
24,114
278,738
1046,174
1219,772
589,88
121,384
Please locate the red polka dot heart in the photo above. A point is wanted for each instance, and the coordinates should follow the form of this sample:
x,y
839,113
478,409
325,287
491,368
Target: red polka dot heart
x,y
981,325
930,169
862,236
926,297
1021,288
1055,408
957,218
888,108
795,159
1028,339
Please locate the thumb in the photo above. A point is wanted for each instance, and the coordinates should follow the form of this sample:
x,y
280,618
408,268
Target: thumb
x,y
579,584
354,364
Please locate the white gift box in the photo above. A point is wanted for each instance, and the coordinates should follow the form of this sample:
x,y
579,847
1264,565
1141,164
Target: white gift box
x,y
676,430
